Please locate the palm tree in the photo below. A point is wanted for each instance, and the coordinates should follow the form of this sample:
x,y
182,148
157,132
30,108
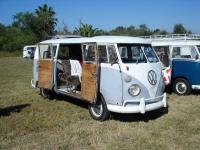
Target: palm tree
x,y
46,20
86,30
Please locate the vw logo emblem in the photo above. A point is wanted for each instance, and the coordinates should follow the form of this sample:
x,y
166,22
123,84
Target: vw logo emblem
x,y
152,77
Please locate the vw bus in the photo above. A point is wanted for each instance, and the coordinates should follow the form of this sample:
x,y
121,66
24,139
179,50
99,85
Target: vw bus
x,y
112,73
180,55
28,51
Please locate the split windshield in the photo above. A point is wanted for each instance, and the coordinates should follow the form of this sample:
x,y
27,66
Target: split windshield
x,y
135,53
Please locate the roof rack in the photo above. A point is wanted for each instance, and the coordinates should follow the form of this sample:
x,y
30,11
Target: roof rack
x,y
173,37
64,36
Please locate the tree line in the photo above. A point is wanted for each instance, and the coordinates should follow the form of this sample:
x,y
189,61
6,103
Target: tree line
x,y
30,28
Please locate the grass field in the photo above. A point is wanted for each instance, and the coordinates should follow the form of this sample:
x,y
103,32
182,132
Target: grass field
x,y
11,54
27,121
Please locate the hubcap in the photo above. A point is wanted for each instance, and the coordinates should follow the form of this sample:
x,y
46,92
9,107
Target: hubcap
x,y
97,109
181,87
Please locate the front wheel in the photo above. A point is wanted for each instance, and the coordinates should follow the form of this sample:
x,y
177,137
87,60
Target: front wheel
x,y
181,87
99,110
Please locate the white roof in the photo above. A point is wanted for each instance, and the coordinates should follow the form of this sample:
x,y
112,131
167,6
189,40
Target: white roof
x,y
173,37
100,39
64,36
175,42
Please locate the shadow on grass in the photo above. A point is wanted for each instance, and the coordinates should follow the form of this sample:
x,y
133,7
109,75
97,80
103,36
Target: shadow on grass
x,y
11,109
72,100
152,115
195,92
117,116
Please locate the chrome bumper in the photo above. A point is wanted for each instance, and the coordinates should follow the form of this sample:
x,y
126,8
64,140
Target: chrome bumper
x,y
140,106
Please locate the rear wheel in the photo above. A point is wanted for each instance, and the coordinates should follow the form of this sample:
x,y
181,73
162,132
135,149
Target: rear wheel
x,y
99,110
181,87
46,93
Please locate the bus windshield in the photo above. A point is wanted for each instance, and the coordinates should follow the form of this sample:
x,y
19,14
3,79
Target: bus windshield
x,y
135,53
150,54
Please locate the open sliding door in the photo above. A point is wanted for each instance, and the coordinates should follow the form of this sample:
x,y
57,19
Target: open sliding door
x,y
89,86
45,70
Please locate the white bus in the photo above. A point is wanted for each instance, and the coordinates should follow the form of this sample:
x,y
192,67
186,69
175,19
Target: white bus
x,y
180,56
112,73
28,51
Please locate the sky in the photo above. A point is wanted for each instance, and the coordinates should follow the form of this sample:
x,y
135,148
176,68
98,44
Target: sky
x,y
108,14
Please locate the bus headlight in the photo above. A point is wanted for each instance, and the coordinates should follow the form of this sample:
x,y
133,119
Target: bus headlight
x,y
134,90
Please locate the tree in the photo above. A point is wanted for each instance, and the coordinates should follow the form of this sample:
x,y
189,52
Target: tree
x,y
179,29
101,32
15,38
121,30
85,30
143,30
46,21
159,32
63,30
24,20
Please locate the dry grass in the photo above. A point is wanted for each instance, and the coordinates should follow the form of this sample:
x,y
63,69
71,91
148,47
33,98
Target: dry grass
x,y
27,121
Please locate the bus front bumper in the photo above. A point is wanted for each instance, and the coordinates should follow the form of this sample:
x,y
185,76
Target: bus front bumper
x,y
140,106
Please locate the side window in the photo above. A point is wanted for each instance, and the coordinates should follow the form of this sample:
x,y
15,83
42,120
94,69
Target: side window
x,y
194,54
176,53
63,52
30,50
45,51
89,53
112,55
103,58
123,52
188,52
137,55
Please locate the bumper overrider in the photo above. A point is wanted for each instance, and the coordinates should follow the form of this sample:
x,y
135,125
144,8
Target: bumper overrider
x,y
139,106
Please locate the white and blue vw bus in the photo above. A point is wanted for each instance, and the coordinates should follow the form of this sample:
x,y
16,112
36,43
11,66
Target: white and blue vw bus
x,y
113,73
180,55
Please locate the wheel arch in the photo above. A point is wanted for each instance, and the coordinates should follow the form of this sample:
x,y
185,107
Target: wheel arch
x,y
99,96
180,77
